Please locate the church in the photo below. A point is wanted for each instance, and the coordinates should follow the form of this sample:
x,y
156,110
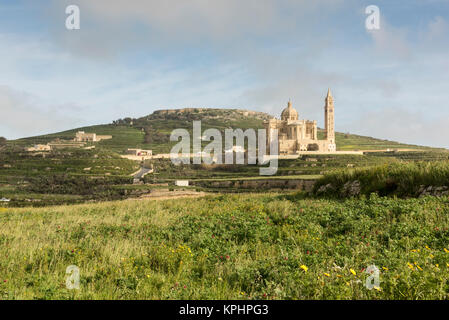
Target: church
x,y
296,135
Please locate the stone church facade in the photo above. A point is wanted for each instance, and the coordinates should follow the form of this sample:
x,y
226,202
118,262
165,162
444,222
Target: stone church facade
x,y
296,135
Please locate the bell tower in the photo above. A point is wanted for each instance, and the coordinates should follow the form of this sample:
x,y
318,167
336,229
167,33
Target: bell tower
x,y
329,132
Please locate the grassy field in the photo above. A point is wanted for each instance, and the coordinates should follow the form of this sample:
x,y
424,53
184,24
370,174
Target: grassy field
x,y
267,246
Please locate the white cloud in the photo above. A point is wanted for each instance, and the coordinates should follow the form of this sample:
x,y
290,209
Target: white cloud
x,y
22,116
110,28
391,41
437,29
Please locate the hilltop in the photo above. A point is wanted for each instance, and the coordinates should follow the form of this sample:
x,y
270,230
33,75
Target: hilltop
x,y
153,131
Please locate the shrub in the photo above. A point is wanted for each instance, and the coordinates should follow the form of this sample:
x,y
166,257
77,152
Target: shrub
x,y
400,179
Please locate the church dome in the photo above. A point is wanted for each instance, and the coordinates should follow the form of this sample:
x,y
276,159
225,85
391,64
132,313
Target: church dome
x,y
289,113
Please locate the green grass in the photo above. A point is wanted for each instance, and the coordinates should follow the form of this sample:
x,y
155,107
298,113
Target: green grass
x,y
346,141
228,247
17,165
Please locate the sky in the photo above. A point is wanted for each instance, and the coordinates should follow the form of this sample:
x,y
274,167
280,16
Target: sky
x,y
130,58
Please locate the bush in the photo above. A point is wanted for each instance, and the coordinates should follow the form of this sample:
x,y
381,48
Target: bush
x,y
81,185
400,179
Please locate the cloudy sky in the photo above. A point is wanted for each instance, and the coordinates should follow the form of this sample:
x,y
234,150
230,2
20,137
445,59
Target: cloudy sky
x,y
132,57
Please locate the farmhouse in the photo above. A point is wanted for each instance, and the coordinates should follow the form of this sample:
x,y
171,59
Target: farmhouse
x,y
139,152
82,136
39,147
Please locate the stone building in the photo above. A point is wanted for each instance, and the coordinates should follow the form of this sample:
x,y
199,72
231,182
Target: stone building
x,y
39,147
81,136
139,152
301,135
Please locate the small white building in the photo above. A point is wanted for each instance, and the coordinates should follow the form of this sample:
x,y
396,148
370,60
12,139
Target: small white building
x,y
182,183
82,136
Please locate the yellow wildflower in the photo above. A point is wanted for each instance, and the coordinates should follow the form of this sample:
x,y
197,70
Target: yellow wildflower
x,y
385,268
377,288
352,271
445,250
327,274
303,267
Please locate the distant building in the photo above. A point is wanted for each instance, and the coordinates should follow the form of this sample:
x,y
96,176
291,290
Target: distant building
x,y
81,136
301,135
39,147
139,152
182,183
63,145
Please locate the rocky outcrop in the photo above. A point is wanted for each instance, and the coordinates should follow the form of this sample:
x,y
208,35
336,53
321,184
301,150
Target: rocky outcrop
x,y
325,188
209,113
351,189
433,191
259,184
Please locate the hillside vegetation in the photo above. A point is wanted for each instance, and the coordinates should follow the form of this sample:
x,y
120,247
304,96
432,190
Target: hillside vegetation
x,y
62,176
228,247
153,131
409,179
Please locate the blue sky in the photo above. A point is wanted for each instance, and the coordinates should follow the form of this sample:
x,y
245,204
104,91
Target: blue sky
x,y
133,57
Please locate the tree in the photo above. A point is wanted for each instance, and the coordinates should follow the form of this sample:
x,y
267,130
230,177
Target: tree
x,y
148,138
2,141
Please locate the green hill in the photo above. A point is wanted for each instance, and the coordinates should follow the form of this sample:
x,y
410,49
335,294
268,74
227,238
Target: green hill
x,y
77,175
153,131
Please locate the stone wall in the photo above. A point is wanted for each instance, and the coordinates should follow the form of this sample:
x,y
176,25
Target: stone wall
x,y
259,184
